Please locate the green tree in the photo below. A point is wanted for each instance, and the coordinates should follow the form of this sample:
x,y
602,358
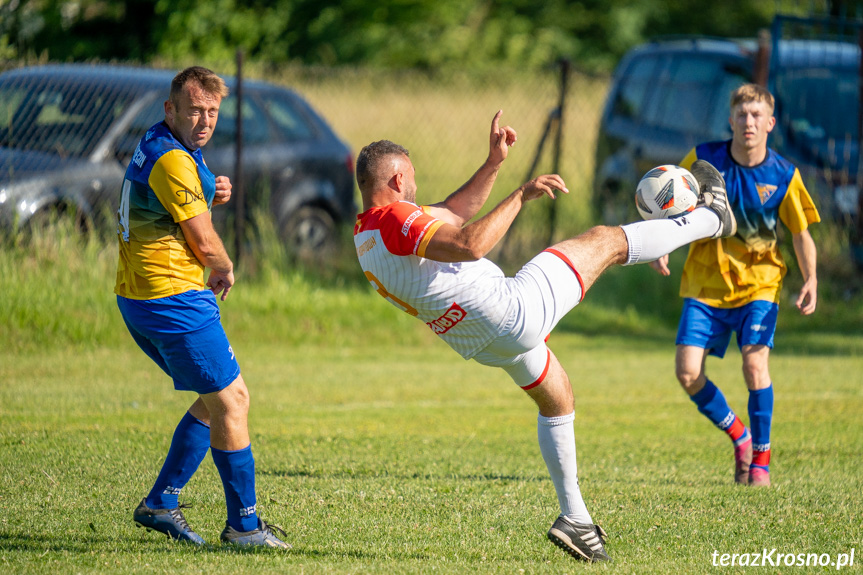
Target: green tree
x,y
384,33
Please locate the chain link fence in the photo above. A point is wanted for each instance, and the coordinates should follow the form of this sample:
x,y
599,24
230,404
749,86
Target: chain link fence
x,y
443,118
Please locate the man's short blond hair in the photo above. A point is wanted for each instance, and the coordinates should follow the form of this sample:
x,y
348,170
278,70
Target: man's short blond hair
x,y
208,80
752,93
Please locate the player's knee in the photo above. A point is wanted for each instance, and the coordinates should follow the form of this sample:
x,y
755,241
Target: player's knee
x,y
236,396
756,376
687,378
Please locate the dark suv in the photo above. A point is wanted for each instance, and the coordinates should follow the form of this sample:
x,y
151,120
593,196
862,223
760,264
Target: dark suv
x,y
67,133
668,96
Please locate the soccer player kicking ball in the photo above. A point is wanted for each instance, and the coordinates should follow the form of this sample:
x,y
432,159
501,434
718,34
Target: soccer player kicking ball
x,y
430,262
733,284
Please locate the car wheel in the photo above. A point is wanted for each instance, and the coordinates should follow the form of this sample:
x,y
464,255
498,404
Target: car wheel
x,y
49,218
309,232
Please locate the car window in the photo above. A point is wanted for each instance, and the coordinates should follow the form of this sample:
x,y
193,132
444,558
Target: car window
x,y
684,94
256,130
291,123
150,114
731,78
634,84
819,104
56,115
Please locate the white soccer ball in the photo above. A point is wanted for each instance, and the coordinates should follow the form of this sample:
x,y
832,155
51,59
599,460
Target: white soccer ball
x,y
665,192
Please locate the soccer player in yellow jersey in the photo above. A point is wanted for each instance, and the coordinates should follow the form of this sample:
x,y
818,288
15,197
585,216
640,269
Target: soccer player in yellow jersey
x,y
166,240
733,284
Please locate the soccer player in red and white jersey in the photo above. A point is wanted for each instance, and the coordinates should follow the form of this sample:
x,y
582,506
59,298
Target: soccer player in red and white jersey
x,y
429,261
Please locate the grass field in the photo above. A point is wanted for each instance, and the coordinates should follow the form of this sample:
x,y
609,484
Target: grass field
x,y
380,451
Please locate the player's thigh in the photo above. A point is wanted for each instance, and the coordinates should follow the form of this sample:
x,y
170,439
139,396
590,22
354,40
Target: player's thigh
x,y
705,326
546,288
756,323
187,334
202,361
148,346
594,251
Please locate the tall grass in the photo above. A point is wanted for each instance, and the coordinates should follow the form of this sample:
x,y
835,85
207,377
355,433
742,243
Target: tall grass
x,y
57,290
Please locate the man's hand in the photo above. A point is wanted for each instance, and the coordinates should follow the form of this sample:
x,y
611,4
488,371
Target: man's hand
x,y
223,191
661,265
808,297
499,141
221,282
543,185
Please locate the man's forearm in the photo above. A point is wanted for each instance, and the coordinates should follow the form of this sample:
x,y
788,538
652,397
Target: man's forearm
x,y
474,241
807,255
469,199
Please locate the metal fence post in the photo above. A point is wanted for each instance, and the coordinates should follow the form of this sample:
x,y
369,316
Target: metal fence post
x,y
558,141
762,59
239,195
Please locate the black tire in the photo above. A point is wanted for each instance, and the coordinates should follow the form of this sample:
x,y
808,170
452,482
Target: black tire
x,y
309,233
49,218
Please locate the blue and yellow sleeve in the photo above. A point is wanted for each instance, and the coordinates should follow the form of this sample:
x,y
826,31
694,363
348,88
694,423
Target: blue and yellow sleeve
x,y
175,181
797,209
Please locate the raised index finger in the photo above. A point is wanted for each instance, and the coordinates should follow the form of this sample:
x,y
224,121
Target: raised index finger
x,y
495,123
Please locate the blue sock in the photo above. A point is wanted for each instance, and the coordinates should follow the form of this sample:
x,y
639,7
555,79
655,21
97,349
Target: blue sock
x,y
188,449
712,404
760,418
237,470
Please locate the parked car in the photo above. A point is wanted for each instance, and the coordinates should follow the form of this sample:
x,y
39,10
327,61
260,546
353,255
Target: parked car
x,y
668,96
68,131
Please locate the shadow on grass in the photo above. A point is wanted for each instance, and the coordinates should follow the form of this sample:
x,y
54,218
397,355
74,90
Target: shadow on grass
x,y
380,473
43,544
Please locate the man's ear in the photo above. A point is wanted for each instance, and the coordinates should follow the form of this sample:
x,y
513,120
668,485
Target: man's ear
x,y
397,182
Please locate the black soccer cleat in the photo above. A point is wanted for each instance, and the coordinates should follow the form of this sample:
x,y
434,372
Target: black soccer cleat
x,y
714,197
581,540
263,536
171,522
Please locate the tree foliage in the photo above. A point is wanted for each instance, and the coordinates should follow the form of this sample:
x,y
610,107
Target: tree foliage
x,y
383,33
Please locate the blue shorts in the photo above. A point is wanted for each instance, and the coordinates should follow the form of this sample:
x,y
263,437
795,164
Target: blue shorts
x,y
710,327
183,334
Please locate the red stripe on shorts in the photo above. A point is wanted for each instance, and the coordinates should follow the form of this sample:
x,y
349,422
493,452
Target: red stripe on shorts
x,y
572,267
541,377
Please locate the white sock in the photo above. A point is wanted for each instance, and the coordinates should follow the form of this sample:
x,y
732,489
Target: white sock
x,y
557,444
652,239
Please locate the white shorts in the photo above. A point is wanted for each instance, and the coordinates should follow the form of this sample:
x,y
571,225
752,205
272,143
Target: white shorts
x,y
545,289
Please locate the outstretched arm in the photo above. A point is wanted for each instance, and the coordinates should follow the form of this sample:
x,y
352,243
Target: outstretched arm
x,y
804,249
451,243
464,203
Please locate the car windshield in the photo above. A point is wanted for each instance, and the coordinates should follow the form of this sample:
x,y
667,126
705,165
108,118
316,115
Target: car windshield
x,y
57,115
820,104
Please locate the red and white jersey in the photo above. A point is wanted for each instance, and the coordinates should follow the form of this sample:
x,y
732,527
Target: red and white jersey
x,y
465,303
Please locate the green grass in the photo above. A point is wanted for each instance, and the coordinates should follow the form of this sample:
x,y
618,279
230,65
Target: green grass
x,y
381,458
380,451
